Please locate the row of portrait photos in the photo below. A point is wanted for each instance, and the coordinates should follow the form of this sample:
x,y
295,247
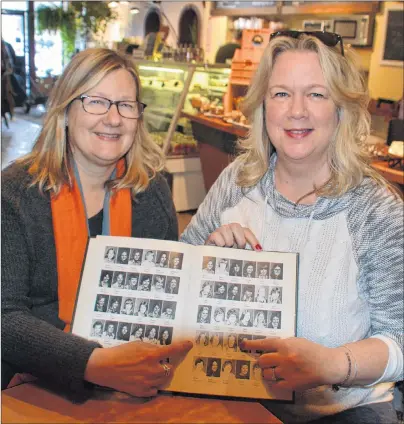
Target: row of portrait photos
x,y
128,332
138,307
241,292
143,257
232,317
228,342
239,268
226,368
140,282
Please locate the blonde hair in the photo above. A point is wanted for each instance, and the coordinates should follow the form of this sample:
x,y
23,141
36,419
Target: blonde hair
x,y
348,159
49,160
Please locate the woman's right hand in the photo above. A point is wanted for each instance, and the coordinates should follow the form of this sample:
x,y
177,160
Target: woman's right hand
x,y
135,367
233,235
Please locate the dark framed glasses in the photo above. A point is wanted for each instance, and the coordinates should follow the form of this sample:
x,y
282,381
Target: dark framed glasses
x,y
330,39
100,106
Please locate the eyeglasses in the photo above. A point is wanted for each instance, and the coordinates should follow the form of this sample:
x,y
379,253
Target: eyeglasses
x,y
100,106
330,39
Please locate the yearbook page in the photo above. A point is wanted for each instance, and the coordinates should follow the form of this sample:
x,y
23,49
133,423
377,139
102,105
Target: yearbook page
x,y
234,295
155,291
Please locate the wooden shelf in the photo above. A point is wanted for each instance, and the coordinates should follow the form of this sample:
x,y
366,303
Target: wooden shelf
x,y
391,174
331,8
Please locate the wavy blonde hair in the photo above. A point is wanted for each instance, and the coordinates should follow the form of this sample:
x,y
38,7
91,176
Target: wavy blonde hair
x,y
49,160
348,160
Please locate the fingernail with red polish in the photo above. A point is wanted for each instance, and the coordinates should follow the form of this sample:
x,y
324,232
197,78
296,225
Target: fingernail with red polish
x,y
258,247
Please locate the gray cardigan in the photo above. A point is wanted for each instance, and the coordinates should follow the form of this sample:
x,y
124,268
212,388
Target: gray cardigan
x,y
32,336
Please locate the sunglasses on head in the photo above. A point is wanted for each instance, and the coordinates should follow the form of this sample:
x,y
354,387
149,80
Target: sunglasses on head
x,y
330,39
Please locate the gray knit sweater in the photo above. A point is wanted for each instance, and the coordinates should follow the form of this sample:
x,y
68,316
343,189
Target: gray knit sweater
x,y
350,271
32,337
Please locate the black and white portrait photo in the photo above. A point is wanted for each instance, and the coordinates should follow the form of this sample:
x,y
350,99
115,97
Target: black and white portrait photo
x,y
123,332
162,259
206,290
118,280
151,334
110,254
220,290
128,306
165,335
110,330
101,303
234,292
168,309
216,340
275,295
135,257
246,318
145,282
240,338
243,370
208,265
114,304
261,294
175,260
230,342
213,367
149,258
263,270
172,285
219,315
202,339
228,370
260,318
204,313
277,271
274,320
158,284
247,292
97,327
132,279
232,317
236,268
222,266
199,369
106,278
249,269
137,332
141,308
123,256
155,308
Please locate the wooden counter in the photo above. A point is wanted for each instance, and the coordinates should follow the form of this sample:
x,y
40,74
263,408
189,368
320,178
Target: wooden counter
x,y
216,123
29,403
394,175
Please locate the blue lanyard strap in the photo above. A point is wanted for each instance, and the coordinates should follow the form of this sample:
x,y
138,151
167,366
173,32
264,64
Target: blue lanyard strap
x,y
106,207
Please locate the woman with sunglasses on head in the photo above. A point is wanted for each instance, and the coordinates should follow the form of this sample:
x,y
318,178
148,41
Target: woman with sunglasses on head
x,y
306,174
93,170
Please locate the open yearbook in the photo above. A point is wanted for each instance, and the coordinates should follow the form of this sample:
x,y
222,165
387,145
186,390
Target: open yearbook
x,y
155,291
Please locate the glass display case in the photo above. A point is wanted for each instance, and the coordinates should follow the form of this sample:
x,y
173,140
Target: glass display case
x,y
169,89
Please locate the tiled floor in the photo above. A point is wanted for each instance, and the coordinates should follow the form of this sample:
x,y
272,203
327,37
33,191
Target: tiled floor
x,y
19,138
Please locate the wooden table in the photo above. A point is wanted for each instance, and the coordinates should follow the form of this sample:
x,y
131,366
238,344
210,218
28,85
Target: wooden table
x,y
393,175
30,403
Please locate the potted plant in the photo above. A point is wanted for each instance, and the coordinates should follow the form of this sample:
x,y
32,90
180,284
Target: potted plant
x,y
84,18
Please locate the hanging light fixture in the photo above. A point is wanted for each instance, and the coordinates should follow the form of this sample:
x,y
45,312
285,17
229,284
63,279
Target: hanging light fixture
x,y
112,4
134,10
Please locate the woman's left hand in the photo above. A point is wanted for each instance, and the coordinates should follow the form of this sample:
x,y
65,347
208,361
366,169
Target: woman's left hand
x,y
297,363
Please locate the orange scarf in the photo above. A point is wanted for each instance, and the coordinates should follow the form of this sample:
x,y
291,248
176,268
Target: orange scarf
x,y
71,236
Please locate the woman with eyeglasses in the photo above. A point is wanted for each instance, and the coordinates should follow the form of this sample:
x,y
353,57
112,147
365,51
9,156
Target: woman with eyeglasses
x,y
305,174
93,170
